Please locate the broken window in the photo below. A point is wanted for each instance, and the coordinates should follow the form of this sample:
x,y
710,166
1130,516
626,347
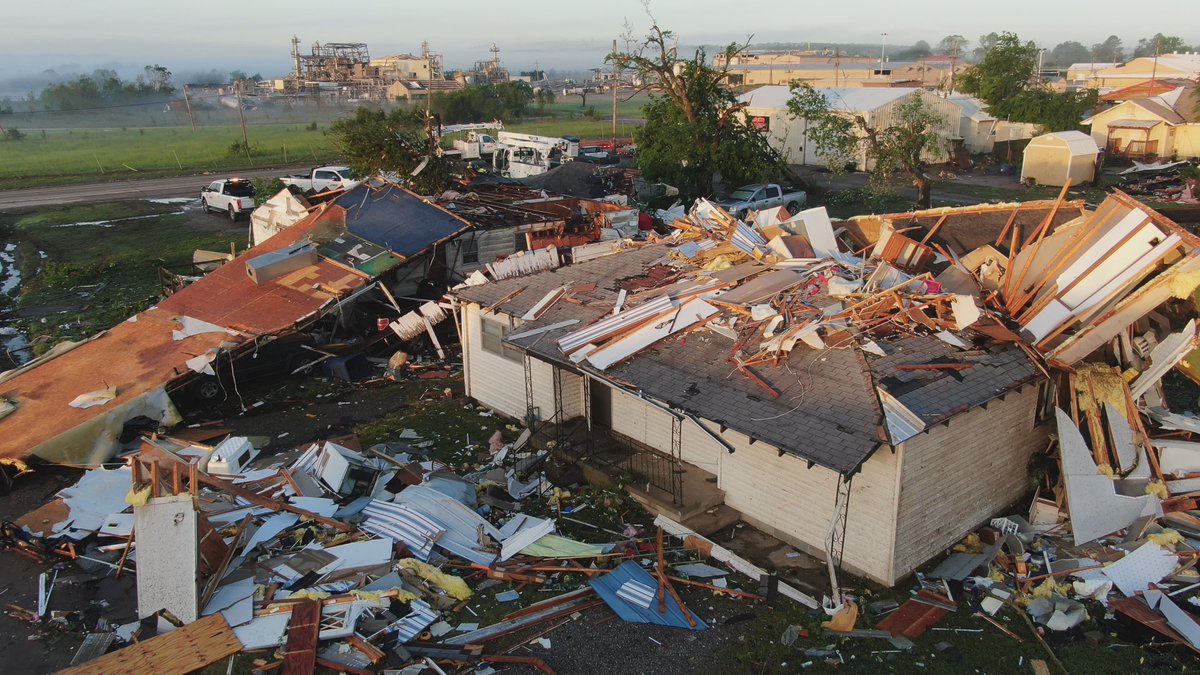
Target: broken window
x,y
469,250
492,332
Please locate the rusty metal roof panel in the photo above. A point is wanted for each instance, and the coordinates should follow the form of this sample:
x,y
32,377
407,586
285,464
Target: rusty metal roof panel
x,y
139,356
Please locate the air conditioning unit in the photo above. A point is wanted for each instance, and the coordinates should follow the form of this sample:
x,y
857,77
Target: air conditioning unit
x,y
275,264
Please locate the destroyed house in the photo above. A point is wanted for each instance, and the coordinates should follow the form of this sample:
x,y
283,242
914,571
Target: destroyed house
x,y
71,404
510,219
816,395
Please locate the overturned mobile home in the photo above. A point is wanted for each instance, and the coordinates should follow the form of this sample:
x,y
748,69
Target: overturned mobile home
x,y
878,407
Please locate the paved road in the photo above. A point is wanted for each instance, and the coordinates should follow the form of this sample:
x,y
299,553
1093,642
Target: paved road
x,y
151,188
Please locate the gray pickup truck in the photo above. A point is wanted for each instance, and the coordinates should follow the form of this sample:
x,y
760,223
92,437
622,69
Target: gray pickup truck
x,y
762,196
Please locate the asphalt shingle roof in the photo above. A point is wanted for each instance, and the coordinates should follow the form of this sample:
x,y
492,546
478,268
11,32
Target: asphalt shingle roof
x,y
828,411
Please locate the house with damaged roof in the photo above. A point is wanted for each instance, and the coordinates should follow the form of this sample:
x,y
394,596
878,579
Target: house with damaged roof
x,y
870,409
866,406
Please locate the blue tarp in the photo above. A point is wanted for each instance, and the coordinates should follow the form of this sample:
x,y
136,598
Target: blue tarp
x,y
607,586
397,219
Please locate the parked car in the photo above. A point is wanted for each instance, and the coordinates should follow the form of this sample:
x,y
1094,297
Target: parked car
x,y
323,179
233,196
762,196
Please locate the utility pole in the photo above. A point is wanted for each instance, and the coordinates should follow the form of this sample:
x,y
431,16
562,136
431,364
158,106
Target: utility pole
x,y
616,79
882,51
242,117
1154,68
1041,57
953,68
188,103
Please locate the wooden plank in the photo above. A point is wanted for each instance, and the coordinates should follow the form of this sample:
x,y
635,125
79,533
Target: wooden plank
x,y
300,652
181,651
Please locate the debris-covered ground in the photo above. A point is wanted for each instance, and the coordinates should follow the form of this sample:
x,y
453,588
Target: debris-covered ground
x,y
394,525
743,634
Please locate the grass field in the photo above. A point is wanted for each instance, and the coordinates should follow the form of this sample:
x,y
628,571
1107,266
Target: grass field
x,y
57,154
126,143
86,267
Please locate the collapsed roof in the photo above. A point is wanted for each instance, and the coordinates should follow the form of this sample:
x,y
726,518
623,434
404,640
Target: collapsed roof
x,y
72,404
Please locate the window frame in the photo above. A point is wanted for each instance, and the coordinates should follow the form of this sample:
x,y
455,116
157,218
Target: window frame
x,y
493,328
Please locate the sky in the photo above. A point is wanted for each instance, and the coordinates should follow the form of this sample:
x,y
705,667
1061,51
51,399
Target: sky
x,y
254,35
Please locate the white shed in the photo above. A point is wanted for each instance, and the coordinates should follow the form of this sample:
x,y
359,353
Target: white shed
x,y
1050,159
767,110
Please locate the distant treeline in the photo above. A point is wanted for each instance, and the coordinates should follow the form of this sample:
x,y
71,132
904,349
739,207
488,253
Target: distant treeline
x,y
484,102
106,88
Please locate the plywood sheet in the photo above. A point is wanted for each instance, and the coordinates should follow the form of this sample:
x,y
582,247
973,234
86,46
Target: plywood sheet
x,y
183,650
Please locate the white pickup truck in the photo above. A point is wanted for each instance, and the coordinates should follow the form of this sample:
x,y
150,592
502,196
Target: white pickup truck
x,y
762,196
233,196
323,179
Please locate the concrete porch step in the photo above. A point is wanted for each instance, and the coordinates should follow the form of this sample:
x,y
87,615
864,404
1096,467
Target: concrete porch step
x,y
700,491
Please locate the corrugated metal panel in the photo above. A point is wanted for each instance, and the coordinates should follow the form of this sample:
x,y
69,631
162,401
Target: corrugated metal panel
x,y
526,263
612,325
411,626
464,528
609,588
399,523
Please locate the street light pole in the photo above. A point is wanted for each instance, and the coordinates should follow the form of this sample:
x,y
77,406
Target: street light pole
x,y
882,51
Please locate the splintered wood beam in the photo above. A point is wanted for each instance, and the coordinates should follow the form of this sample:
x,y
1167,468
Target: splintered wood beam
x,y
1064,257
1011,218
1019,299
757,380
933,230
1006,290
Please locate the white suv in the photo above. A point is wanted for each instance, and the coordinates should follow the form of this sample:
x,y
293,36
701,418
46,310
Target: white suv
x,y
234,196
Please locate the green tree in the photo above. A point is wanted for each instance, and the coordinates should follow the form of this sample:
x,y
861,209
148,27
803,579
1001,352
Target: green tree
x,y
374,141
898,148
1004,71
1159,44
695,128
1067,53
1109,51
1005,81
952,44
986,43
484,102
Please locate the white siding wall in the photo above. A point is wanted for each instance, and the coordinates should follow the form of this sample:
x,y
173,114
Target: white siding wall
x,y
955,477
784,497
493,380
543,391
499,383
651,425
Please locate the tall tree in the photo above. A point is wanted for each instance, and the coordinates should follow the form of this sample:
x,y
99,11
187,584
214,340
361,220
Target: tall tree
x,y
1067,53
374,141
1005,81
1004,70
897,148
1109,51
986,43
695,127
953,45
1159,44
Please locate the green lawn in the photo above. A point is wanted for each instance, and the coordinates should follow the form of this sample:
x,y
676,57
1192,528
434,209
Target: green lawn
x,y
86,267
56,154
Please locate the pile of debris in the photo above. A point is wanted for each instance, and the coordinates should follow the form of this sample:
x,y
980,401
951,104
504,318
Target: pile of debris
x,y
350,559
1095,306
1163,181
